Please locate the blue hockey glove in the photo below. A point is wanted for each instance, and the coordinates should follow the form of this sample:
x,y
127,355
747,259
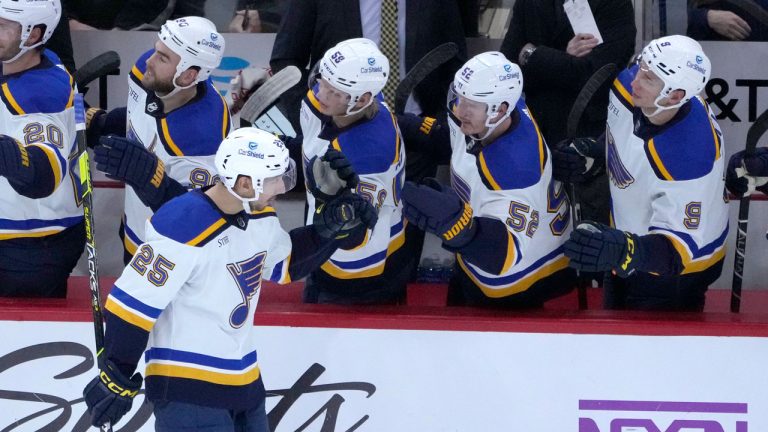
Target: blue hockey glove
x,y
123,159
12,160
110,395
342,215
596,247
578,160
440,211
330,175
742,171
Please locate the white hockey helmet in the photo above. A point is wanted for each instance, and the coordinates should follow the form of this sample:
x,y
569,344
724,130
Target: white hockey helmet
x,y
356,67
31,13
488,78
259,155
680,63
197,42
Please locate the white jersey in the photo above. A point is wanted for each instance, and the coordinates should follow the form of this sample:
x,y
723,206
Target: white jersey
x,y
374,148
671,181
185,140
511,180
194,285
38,111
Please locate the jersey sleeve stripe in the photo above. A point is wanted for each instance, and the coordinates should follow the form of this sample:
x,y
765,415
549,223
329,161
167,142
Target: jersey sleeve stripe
x,y
360,269
167,140
128,316
10,102
56,165
397,140
487,173
207,232
280,273
71,101
695,266
656,162
174,371
715,136
189,357
542,151
694,258
335,144
512,256
132,303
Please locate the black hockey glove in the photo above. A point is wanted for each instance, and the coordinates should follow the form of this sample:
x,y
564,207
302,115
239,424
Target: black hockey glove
x,y
110,395
745,172
342,215
122,159
330,175
578,160
437,209
596,247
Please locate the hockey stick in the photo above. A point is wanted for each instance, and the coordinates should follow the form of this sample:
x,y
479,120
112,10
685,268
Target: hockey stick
x,y
90,239
754,133
99,66
266,95
595,82
425,66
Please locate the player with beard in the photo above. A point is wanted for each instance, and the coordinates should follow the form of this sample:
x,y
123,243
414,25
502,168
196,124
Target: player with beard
x,y
173,124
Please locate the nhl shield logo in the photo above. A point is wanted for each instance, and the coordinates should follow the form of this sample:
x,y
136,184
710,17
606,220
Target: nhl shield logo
x,y
152,107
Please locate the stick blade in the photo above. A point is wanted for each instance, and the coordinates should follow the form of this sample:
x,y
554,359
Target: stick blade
x,y
600,77
269,92
101,65
434,59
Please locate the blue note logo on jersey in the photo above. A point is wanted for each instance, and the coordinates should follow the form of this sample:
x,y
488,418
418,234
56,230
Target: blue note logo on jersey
x,y
247,275
618,173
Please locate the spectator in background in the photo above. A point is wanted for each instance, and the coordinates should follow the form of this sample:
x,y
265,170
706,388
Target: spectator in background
x,y
128,14
556,64
723,20
257,16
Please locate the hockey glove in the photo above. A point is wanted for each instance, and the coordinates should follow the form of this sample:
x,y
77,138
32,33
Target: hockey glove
x,y
14,161
440,211
122,159
110,395
748,173
596,247
339,217
330,175
578,160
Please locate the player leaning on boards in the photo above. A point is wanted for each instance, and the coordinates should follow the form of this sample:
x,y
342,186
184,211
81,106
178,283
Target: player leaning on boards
x,y
174,123
41,227
343,110
505,216
187,299
664,159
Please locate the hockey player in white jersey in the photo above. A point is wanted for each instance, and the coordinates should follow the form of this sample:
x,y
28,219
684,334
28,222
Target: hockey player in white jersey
x,y
664,158
505,216
175,121
187,299
343,111
41,225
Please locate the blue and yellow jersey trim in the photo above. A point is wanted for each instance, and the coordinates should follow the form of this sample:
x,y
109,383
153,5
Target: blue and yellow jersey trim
x,y
189,365
370,266
136,74
694,259
132,310
372,145
280,273
57,162
503,286
172,220
673,161
313,103
33,228
517,158
21,95
622,85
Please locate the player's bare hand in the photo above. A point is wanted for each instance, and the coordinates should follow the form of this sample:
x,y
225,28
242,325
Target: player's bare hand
x,y
728,24
581,44
245,21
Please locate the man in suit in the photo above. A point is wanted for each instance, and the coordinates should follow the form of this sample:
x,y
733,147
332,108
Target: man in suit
x,y
311,27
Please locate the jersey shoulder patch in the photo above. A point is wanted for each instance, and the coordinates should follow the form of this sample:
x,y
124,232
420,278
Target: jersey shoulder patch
x,y
371,146
517,158
197,128
173,220
21,93
688,149
622,86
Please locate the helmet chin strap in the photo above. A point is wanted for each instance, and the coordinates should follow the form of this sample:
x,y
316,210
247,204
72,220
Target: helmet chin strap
x,y
660,108
22,50
245,201
491,126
